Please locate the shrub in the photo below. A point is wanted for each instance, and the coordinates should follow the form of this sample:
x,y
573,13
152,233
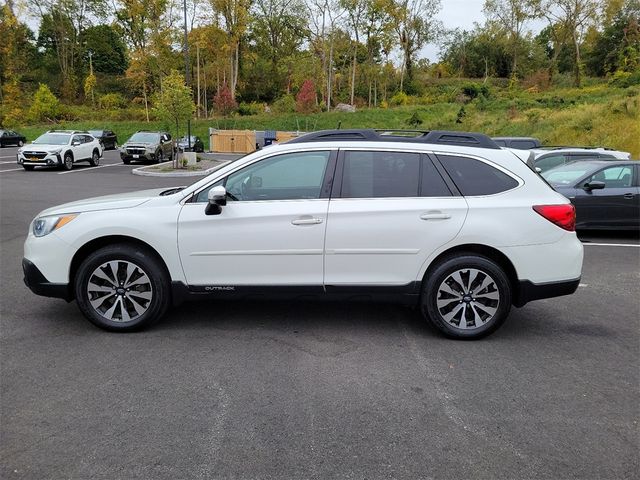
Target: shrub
x,y
223,102
474,90
111,101
253,108
306,98
414,120
285,104
461,114
400,99
45,105
625,79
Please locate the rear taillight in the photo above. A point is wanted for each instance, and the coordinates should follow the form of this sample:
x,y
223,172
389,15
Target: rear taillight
x,y
563,216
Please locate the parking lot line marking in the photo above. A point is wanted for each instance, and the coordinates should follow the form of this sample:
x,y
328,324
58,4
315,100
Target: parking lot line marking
x,y
9,161
94,168
612,245
12,170
8,156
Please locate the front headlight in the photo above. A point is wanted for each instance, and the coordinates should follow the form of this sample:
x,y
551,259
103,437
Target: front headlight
x,y
55,152
45,225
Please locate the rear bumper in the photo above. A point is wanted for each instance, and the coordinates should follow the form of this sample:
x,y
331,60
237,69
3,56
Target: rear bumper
x,y
38,284
529,291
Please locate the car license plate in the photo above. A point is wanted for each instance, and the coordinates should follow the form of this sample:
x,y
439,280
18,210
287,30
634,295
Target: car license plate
x,y
136,156
33,159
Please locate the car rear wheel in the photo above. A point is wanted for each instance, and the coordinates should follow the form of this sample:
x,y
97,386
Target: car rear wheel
x,y
160,157
122,288
95,159
28,168
68,162
466,296
20,143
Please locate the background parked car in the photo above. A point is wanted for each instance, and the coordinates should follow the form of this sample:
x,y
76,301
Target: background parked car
x,y
546,158
196,144
606,194
108,139
147,146
61,148
520,143
9,137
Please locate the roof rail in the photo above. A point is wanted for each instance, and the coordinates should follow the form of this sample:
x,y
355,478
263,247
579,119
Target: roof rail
x,y
442,137
560,147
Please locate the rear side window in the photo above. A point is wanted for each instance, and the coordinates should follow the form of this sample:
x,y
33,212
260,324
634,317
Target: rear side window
x,y
380,174
552,161
473,177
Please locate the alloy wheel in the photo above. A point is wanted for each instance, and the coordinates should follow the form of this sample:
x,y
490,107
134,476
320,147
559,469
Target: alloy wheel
x,y
119,291
468,298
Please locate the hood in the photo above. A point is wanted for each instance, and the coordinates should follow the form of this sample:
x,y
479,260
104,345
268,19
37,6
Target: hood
x,y
41,147
108,202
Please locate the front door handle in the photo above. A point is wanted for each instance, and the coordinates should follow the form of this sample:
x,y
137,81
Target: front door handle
x,y
306,221
628,196
435,216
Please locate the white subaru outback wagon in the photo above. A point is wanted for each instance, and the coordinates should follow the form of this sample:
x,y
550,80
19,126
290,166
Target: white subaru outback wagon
x,y
446,221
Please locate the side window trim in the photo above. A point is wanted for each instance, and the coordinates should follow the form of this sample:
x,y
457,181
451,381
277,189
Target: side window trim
x,y
328,181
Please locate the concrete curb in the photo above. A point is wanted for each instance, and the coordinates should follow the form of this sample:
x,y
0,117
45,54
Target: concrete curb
x,y
143,171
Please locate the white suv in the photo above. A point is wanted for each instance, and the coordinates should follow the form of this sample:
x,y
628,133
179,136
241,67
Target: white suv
x,y
446,221
61,148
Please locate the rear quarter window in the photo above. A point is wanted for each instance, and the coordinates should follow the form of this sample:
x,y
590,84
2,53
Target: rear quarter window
x,y
473,177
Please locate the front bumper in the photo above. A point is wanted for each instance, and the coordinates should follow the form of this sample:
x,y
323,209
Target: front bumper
x,y
38,284
141,157
52,159
529,291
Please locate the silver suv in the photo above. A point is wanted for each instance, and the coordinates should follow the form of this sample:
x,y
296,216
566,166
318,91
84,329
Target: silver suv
x,y
146,146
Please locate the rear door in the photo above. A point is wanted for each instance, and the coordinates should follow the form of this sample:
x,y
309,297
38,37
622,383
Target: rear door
x,y
388,212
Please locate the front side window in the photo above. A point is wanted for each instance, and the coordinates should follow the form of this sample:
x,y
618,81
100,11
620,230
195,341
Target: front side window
x,y
380,174
473,177
614,177
290,176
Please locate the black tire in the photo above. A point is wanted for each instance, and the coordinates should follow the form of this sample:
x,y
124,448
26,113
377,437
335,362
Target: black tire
x,y
67,163
20,143
28,168
94,161
481,312
126,161
160,156
106,314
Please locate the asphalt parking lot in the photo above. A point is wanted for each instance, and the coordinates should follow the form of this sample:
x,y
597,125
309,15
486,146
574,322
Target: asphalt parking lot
x,y
311,390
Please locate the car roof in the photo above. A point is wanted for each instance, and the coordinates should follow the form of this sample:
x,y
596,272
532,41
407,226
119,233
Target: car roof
x,y
598,163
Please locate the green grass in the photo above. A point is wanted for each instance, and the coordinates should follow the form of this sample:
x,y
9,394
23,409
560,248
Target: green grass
x,y
594,115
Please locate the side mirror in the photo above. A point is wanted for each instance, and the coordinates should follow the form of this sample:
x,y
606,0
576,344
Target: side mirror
x,y
75,143
217,199
538,169
594,185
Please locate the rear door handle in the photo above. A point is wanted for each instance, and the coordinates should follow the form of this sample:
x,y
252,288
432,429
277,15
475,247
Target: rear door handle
x,y
435,216
306,221
628,196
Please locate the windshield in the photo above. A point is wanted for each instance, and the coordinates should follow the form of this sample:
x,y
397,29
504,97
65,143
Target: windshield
x,y
53,139
95,133
145,137
566,174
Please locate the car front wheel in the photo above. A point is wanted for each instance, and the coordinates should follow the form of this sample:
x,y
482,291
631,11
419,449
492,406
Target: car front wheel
x,y
95,159
68,162
122,288
466,296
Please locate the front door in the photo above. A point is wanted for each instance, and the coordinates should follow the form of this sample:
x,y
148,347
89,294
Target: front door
x,y
613,206
271,231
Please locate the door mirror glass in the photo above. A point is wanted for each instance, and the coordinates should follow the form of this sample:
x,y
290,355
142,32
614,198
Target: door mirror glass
x,y
594,185
75,143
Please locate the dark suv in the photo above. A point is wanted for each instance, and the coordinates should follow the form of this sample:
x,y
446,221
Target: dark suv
x,y
147,146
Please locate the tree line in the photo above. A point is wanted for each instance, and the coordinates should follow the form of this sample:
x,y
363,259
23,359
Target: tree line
x,y
256,52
